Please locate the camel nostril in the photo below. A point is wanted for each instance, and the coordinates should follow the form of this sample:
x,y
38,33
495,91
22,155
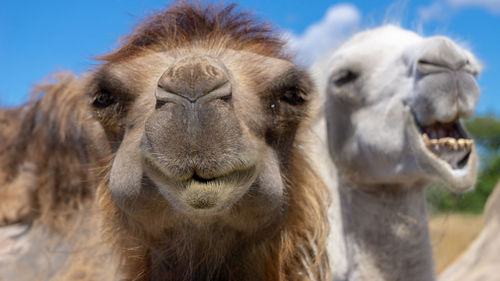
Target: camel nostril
x,y
429,66
195,78
425,66
227,98
221,91
159,103
441,54
163,96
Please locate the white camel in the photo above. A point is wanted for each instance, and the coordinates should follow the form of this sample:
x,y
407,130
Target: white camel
x,y
480,262
390,125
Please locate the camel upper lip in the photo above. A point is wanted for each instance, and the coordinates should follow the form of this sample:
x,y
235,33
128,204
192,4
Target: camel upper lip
x,y
155,169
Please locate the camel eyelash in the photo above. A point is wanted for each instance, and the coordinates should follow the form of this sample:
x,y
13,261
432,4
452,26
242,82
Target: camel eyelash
x,y
103,100
110,90
343,77
294,96
291,88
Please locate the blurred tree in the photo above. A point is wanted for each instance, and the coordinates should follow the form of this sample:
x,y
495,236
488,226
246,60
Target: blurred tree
x,y
486,133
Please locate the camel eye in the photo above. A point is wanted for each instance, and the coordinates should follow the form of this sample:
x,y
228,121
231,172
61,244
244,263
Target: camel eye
x,y
103,100
294,96
343,77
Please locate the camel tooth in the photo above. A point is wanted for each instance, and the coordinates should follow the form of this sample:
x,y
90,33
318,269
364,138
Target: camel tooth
x,y
425,138
443,141
452,143
461,143
468,143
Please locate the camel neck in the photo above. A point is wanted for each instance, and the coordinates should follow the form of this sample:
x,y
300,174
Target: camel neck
x,y
386,232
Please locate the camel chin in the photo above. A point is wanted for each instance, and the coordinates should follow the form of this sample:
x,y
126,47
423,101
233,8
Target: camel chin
x,y
445,150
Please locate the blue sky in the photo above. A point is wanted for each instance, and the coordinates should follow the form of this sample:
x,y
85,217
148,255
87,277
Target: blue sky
x,y
40,37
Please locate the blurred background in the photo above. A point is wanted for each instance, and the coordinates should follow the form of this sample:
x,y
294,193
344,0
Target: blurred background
x,y
41,37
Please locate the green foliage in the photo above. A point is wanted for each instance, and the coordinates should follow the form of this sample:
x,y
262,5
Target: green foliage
x,y
486,133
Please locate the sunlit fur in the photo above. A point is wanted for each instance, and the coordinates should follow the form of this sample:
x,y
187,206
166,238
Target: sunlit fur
x,y
372,154
297,251
48,145
68,149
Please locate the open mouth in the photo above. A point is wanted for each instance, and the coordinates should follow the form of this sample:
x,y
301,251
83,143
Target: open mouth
x,y
448,141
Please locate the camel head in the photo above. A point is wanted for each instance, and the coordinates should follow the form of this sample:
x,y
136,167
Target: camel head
x,y
202,110
394,105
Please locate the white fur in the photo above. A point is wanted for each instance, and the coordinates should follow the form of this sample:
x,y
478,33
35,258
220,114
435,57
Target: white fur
x,y
378,170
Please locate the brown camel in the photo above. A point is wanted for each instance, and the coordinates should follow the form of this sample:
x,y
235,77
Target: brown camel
x,y
204,113
46,150
17,186
46,147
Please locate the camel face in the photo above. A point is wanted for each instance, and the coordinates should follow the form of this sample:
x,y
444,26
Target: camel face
x,y
201,132
394,105
193,147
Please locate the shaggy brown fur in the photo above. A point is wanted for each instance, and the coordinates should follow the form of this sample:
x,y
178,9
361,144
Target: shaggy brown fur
x,y
18,186
297,251
294,249
216,27
47,147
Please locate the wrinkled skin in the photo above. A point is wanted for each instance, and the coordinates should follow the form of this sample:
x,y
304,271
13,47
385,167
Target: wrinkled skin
x,y
393,103
195,139
205,147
